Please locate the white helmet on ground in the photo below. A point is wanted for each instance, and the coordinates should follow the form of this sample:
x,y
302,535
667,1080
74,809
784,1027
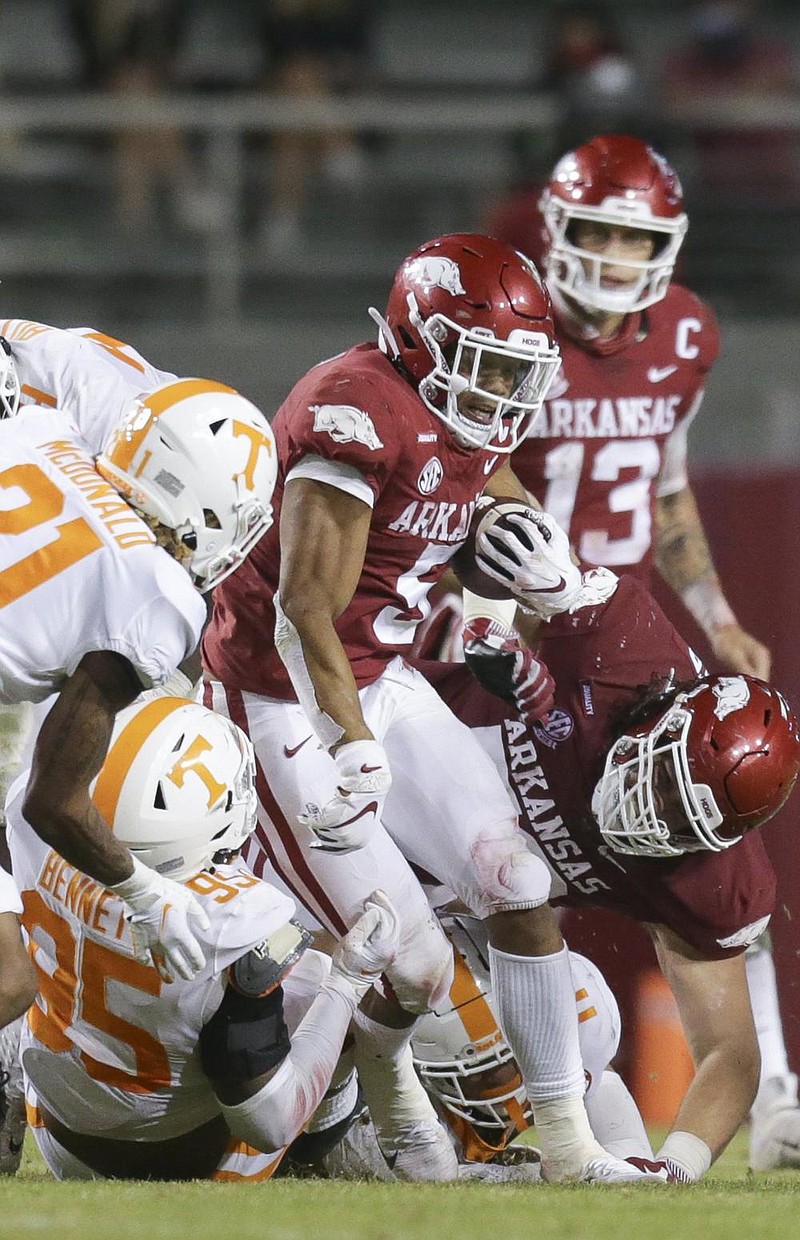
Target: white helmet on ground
x,y
465,1062
200,459
177,786
459,1052
9,381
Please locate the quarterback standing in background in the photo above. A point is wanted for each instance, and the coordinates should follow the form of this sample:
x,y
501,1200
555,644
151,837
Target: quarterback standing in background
x,y
362,769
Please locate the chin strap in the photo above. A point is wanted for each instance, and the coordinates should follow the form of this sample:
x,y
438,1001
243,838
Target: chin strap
x,y
386,338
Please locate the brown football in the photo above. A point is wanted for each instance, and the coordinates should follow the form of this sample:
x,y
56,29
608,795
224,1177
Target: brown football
x,y
486,515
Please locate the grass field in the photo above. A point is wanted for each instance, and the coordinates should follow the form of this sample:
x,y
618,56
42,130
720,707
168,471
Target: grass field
x,y
730,1204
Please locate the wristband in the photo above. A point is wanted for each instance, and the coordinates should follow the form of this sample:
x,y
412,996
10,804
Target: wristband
x,y
502,611
705,601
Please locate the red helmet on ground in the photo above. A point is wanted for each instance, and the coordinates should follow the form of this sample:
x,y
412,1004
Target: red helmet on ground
x,y
613,179
468,317
719,760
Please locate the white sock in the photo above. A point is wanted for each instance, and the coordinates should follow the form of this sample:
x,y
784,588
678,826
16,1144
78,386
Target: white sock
x,y
766,1013
535,1006
615,1119
394,1093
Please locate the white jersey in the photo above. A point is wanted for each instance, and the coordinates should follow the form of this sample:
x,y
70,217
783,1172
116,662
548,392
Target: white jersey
x,y
108,1047
79,570
9,896
89,375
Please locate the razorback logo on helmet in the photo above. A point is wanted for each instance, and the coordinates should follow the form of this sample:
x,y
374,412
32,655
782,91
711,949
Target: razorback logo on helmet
x,y
732,693
346,424
430,476
435,271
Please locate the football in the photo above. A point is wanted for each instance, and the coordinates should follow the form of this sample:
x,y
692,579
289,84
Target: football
x,y
489,512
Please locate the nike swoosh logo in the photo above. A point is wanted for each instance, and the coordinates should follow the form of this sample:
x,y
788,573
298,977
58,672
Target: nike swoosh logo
x,y
488,466
367,770
553,589
289,753
656,373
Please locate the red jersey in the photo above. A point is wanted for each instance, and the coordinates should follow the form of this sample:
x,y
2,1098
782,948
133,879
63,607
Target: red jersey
x,y
357,415
600,657
611,437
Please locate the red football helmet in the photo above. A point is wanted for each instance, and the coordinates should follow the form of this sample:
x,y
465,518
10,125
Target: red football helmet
x,y
614,179
470,321
719,760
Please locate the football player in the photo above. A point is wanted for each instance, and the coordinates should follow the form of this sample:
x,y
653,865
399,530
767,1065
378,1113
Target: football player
x,y
362,770
89,375
641,790
99,598
467,1066
128,1078
608,457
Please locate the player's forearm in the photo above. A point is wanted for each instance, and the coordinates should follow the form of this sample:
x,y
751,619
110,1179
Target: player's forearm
x,y
683,558
682,553
719,1098
68,754
276,1111
320,672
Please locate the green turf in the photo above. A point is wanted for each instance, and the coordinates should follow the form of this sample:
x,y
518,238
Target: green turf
x,y
728,1205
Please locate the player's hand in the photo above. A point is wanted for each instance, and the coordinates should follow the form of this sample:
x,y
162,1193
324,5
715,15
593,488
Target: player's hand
x,y
165,917
741,652
506,668
530,553
345,823
370,946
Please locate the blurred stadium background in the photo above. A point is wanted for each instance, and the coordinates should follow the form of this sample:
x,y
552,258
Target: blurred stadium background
x,y
449,112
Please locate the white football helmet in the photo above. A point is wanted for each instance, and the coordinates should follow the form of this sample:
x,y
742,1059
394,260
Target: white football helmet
x,y
177,786
9,381
201,460
465,1062
458,1047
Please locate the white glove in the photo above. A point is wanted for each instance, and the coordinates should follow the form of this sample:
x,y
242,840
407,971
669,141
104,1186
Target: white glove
x,y
529,552
369,946
597,586
363,779
164,916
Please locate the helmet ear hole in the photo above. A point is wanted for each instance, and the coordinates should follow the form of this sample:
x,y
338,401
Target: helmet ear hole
x,y
211,519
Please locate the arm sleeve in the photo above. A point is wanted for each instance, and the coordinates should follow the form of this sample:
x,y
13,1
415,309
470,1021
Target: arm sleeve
x,y
271,1118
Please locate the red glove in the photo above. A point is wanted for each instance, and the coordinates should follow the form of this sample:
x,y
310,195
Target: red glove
x,y
506,668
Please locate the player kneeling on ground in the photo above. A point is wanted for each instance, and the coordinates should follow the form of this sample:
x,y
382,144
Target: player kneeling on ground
x,y
130,1078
